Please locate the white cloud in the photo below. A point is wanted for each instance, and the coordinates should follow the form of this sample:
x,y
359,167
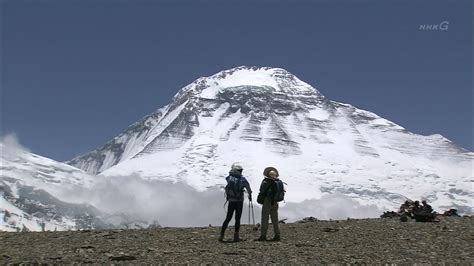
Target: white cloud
x,y
11,147
330,206
178,204
171,204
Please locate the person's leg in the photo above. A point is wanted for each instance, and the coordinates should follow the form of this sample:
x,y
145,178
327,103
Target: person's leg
x,y
274,217
230,213
238,214
265,214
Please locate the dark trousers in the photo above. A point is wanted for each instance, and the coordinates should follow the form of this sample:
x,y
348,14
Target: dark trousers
x,y
236,206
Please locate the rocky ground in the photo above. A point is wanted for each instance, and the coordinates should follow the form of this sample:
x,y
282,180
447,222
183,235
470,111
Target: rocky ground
x,y
352,241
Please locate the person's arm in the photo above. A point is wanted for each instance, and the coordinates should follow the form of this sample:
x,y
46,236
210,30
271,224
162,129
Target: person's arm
x,y
264,186
247,187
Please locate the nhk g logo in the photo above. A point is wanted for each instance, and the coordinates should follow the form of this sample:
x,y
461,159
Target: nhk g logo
x,y
441,26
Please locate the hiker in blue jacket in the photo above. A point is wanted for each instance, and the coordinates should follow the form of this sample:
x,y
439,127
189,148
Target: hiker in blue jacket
x,y
236,183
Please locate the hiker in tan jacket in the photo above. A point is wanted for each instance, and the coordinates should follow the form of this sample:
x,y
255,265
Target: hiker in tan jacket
x,y
269,199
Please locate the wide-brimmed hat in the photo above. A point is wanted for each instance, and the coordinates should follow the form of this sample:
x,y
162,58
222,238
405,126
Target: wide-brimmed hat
x,y
268,169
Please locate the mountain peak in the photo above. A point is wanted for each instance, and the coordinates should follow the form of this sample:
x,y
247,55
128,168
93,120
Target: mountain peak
x,y
255,69
277,80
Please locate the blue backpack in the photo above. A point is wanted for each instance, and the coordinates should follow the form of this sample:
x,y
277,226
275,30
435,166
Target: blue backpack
x,y
234,188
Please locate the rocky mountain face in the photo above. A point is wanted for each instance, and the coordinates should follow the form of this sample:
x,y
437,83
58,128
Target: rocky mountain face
x,y
280,94
267,116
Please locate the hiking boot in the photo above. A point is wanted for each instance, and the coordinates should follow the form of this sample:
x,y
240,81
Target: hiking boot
x,y
221,237
275,238
261,238
236,237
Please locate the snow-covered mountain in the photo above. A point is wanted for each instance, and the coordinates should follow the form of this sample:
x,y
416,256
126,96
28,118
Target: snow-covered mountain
x,y
40,194
267,116
33,190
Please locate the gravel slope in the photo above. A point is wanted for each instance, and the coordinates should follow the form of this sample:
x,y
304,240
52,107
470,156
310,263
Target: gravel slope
x,y
351,241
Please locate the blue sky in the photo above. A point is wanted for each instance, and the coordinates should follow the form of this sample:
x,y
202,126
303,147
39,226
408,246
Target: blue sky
x,y
74,74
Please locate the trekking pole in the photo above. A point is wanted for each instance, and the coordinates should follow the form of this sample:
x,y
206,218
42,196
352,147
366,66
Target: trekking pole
x,y
253,217
249,211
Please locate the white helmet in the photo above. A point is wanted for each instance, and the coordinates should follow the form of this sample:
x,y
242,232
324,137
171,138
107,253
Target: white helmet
x,y
237,167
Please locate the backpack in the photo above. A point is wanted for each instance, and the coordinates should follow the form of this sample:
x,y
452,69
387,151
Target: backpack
x,y
234,188
278,191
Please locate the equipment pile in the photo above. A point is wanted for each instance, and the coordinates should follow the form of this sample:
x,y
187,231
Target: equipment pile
x,y
419,212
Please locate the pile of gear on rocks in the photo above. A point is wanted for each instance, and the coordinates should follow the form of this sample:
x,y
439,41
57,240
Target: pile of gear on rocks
x,y
419,212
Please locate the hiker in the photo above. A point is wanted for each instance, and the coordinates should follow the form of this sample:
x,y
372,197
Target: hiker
x,y
424,213
268,196
236,183
416,208
426,207
451,212
405,207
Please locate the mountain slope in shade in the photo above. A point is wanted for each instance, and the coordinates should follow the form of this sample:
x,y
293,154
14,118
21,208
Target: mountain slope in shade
x,y
267,116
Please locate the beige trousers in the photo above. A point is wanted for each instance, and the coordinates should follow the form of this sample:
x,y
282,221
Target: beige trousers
x,y
269,210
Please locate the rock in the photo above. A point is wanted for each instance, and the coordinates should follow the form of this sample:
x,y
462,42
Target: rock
x,y
310,219
122,257
298,245
231,253
328,229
